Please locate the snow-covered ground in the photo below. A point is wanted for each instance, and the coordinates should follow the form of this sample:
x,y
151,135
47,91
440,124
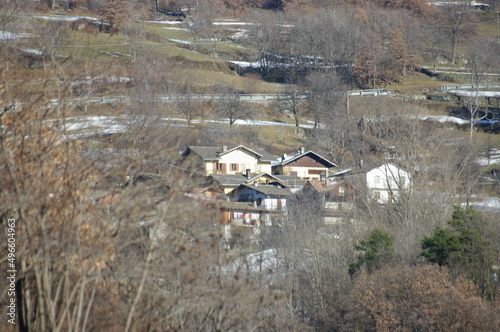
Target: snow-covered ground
x,y
487,203
110,124
468,93
180,41
88,125
7,35
64,18
260,262
166,22
494,158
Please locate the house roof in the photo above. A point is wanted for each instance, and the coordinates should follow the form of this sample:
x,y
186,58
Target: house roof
x,y
268,189
214,153
229,179
288,159
291,181
264,174
237,179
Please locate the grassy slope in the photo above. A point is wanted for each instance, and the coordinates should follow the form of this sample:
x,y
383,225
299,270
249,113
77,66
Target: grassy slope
x,y
207,72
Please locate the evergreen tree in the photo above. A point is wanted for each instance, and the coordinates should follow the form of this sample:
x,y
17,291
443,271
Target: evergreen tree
x,y
377,250
463,248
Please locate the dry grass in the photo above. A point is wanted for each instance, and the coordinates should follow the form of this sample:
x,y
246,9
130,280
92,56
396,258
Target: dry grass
x,y
416,83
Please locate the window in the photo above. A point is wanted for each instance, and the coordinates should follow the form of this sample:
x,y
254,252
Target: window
x,y
234,167
221,168
376,195
377,179
341,191
402,181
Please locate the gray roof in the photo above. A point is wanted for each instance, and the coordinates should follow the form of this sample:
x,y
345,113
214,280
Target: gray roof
x,y
213,153
237,179
268,189
299,155
240,206
291,180
229,179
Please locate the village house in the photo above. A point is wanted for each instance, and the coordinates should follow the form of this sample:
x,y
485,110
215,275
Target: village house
x,y
385,183
381,183
307,165
268,196
235,160
333,201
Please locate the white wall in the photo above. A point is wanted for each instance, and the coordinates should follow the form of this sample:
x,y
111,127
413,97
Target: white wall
x,y
385,180
245,160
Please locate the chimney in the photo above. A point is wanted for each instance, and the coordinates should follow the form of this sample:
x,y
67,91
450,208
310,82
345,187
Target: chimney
x,y
247,173
284,157
302,150
224,148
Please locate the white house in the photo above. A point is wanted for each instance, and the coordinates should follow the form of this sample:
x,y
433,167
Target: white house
x,y
385,182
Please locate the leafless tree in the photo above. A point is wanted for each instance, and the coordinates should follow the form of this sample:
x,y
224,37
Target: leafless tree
x,y
326,89
481,56
459,23
290,102
230,107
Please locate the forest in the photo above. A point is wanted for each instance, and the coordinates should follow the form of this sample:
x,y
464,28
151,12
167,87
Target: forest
x,y
106,225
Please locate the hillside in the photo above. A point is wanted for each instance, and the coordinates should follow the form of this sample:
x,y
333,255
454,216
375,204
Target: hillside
x,y
249,165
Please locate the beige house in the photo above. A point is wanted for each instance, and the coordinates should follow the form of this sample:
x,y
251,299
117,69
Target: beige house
x,y
307,165
236,160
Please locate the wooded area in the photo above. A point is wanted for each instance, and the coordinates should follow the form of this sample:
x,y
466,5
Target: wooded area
x,y
110,232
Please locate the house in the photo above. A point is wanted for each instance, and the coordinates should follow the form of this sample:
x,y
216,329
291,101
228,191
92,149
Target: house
x,y
379,183
267,196
307,165
333,202
226,183
242,218
241,214
233,161
384,183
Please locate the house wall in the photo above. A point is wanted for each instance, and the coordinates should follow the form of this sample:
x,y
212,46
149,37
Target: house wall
x,y
307,173
306,161
240,217
274,204
228,189
209,168
386,180
244,160
248,195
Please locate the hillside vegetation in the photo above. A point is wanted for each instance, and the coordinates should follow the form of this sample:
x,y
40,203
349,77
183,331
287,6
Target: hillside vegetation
x,y
115,230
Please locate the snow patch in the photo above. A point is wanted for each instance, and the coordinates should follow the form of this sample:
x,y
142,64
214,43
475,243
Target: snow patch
x,y
6,35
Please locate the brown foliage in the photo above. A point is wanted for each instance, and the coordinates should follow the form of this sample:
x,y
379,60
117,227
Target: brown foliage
x,y
419,298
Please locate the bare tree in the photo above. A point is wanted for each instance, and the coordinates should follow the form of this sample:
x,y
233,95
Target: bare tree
x,y
230,107
459,23
290,101
481,56
326,89
61,243
202,24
